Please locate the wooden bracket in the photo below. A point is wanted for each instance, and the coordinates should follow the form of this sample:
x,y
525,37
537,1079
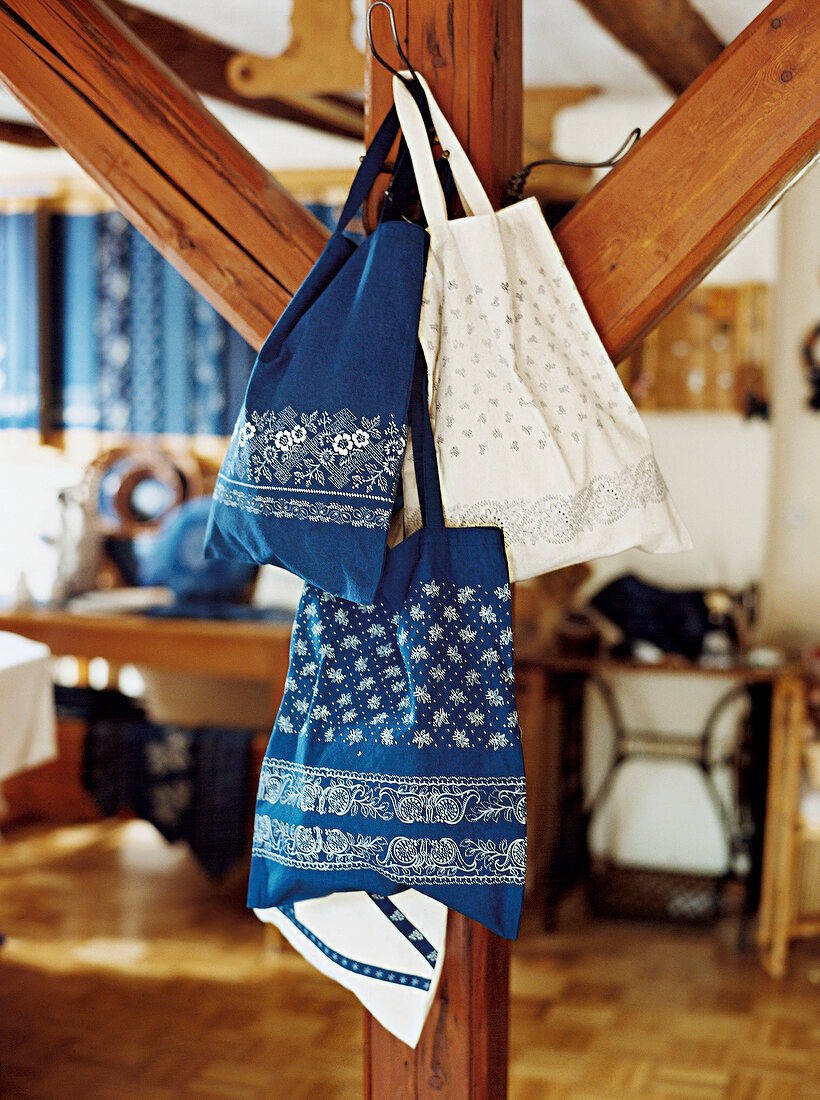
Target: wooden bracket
x,y
202,61
554,182
321,56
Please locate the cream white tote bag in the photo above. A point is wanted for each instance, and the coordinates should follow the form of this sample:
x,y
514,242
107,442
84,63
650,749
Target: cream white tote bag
x,y
534,431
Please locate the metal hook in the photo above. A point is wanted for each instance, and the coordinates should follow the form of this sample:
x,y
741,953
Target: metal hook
x,y
515,186
396,43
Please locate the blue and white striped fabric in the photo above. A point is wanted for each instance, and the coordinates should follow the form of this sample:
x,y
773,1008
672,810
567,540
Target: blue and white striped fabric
x,y
134,347
395,764
389,952
20,349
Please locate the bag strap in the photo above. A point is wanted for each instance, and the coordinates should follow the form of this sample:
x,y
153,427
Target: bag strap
x,y
473,196
371,166
424,448
402,190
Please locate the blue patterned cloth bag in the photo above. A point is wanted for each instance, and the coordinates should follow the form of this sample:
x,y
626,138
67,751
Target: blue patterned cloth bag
x,y
395,762
310,475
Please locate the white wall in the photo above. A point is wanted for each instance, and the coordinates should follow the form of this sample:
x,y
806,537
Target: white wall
x,y
717,467
791,594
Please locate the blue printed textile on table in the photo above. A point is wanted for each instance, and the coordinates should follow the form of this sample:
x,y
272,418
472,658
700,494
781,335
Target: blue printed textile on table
x,y
396,759
189,783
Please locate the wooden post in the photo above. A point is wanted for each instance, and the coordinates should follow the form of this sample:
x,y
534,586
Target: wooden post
x,y
463,1051
778,902
470,53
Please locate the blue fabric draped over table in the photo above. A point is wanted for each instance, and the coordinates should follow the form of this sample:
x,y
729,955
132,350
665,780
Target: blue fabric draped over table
x,y
191,784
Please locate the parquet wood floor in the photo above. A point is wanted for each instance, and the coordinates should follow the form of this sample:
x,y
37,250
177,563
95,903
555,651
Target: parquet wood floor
x,y
127,974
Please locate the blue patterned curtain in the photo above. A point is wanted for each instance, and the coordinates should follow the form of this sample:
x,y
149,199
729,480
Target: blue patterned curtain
x,y
19,327
134,348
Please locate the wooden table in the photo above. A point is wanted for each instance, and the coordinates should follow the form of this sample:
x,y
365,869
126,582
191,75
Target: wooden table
x,y
234,650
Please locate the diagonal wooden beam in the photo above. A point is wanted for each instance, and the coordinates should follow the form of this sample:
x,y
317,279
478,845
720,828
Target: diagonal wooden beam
x,y
672,39
722,154
169,165
202,63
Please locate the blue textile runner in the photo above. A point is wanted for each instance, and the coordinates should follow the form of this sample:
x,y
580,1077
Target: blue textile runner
x,y
20,349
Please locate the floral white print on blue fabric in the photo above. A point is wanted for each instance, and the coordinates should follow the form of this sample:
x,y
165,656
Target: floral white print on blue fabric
x,y
319,448
411,860
313,511
431,799
441,673
321,466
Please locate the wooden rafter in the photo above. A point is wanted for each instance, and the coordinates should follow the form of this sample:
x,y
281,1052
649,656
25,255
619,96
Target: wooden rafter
x,y
724,152
672,39
202,62
635,245
169,165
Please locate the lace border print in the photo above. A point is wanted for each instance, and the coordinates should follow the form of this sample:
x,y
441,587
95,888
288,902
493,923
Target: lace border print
x,y
559,519
313,466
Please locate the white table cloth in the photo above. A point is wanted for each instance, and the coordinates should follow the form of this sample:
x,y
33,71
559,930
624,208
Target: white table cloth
x,y
27,715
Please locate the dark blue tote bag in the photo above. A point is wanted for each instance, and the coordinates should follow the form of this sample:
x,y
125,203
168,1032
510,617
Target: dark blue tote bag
x,y
310,475
395,761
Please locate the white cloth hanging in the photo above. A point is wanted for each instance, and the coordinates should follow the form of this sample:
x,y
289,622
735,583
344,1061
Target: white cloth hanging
x,y
534,431
389,951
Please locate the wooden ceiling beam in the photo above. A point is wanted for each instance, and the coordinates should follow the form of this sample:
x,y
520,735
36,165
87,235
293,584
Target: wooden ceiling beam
x,y
23,133
672,39
720,157
168,164
202,63
635,245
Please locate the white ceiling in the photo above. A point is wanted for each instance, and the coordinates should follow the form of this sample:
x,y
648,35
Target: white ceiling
x,y
562,45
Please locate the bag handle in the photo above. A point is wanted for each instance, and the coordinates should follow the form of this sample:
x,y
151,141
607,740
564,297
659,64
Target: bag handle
x,y
402,187
425,464
371,166
473,196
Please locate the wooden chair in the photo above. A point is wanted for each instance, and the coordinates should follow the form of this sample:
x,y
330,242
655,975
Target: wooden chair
x,y
789,841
